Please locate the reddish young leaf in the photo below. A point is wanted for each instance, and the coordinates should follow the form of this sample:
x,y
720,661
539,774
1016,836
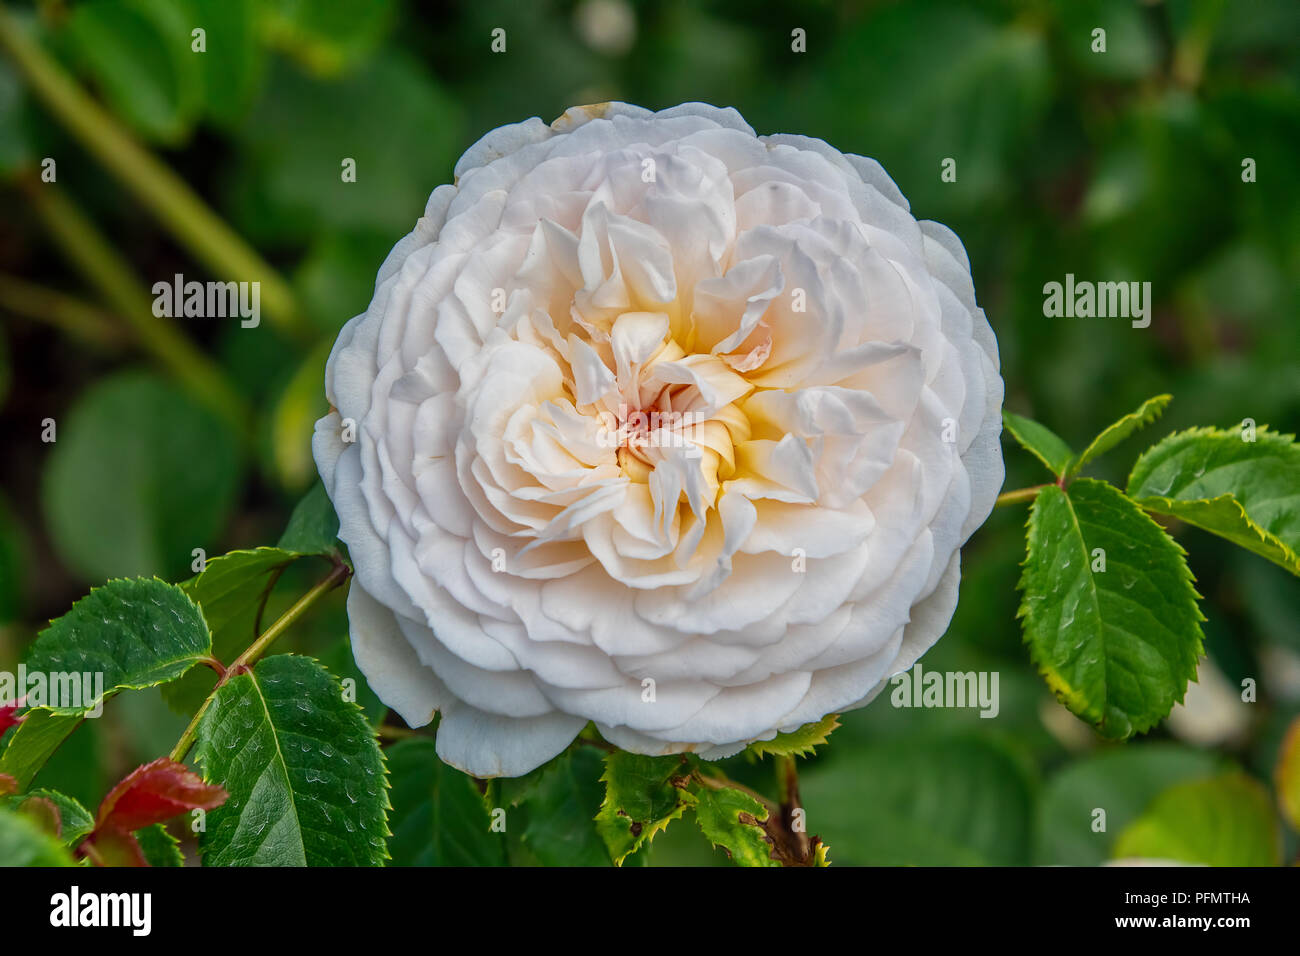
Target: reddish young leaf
x,y
153,793
9,717
7,784
147,795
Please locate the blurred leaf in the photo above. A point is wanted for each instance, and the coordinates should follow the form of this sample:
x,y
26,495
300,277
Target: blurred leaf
x,y
75,820
562,811
16,149
314,526
31,745
957,801
390,117
138,52
328,35
642,796
1122,781
1116,432
801,742
1286,776
1040,441
139,477
439,817
1116,635
1222,821
23,843
302,767
234,63
1132,50
336,279
977,108
13,564
294,419
731,819
132,633
1244,491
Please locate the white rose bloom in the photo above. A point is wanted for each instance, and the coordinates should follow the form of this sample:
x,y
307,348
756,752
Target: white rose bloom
x,y
534,549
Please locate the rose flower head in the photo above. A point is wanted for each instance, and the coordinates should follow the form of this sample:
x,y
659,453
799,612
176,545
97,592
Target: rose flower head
x,y
658,424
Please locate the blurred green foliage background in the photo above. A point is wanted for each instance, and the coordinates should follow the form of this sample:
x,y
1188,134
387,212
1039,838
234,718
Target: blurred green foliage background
x,y
1122,165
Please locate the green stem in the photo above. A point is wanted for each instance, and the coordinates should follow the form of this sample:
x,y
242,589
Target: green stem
x,y
1020,494
68,314
112,276
254,651
166,195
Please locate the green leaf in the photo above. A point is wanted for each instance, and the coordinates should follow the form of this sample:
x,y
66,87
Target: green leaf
x,y
642,796
1040,441
234,64
74,819
1115,433
1224,821
562,808
328,35
138,51
1116,646
389,115
799,743
302,767
314,526
34,742
732,819
230,589
1122,782
140,476
439,817
159,847
1245,491
23,843
962,800
133,632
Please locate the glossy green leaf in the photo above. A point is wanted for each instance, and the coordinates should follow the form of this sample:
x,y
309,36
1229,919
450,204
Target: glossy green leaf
x,y
33,742
1040,441
1245,491
1117,646
159,847
732,820
140,476
1116,432
439,817
302,767
562,810
642,796
131,633
1223,821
